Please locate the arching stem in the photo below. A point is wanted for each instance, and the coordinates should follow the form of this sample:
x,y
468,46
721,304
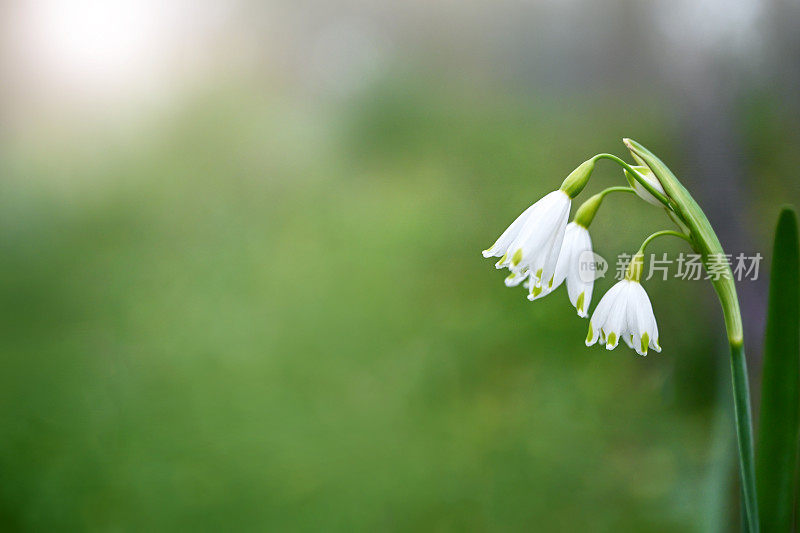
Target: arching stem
x,y
663,233
707,243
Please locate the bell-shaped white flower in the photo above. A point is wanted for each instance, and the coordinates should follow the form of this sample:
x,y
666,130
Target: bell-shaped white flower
x,y
624,312
572,266
531,244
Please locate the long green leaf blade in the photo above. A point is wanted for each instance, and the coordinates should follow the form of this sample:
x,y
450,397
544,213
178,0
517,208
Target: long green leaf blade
x,y
780,389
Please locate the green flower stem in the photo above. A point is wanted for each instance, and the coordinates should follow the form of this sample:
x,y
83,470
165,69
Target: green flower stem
x,y
585,213
616,189
744,433
663,233
706,242
636,266
643,182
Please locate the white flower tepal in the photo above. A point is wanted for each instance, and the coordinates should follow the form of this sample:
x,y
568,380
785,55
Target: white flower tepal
x,y
625,312
575,250
530,246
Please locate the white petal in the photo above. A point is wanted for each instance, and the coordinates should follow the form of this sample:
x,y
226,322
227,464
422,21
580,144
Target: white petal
x,y
556,245
515,278
564,255
593,334
635,327
580,292
628,338
576,286
501,245
601,311
616,321
545,282
538,232
600,314
653,328
648,319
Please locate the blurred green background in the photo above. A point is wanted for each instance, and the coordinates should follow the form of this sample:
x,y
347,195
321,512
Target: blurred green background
x,y
241,275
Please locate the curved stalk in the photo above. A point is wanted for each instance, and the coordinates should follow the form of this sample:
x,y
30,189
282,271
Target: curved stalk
x,y
618,188
663,233
706,242
636,266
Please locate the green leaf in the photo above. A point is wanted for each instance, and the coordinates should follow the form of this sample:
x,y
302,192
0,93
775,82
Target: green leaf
x,y
780,389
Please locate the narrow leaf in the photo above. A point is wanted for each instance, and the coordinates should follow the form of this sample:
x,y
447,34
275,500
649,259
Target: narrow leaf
x,y
780,389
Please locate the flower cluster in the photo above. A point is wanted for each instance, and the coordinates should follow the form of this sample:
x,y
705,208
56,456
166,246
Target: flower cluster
x,y
542,250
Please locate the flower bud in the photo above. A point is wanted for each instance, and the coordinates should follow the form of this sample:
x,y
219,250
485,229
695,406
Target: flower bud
x,y
645,172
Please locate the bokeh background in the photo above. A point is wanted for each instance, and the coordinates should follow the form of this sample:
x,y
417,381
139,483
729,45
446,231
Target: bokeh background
x,y
241,276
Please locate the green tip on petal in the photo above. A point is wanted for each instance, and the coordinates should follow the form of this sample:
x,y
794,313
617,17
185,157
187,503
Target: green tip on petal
x,y
612,339
539,273
579,303
536,291
645,342
550,283
517,257
591,332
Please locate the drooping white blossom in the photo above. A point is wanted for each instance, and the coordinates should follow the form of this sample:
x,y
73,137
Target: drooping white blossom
x,y
530,246
625,312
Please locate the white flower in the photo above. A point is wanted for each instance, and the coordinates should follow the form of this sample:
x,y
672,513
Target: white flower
x,y
531,244
575,251
651,179
624,312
